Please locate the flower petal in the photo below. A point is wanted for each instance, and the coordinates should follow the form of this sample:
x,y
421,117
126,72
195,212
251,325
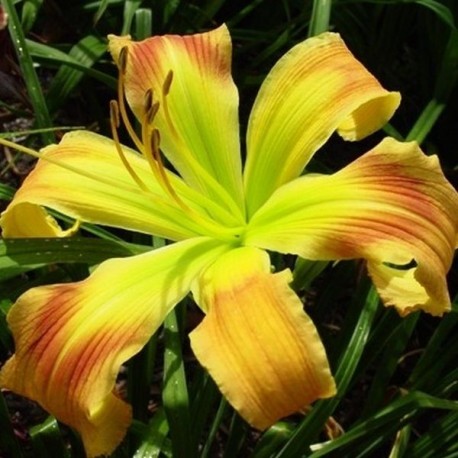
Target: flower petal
x,y
393,207
256,341
107,194
71,338
314,89
200,136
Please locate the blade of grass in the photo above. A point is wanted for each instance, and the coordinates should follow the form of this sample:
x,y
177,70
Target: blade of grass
x,y
139,379
22,133
20,255
30,11
387,364
87,51
32,82
273,439
101,9
49,54
152,436
47,440
175,391
445,83
6,343
401,442
130,7
236,437
396,413
321,14
422,375
143,23
204,395
440,436
6,192
223,408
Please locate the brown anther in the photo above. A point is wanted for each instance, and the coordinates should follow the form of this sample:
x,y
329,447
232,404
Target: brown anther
x,y
148,100
155,142
152,112
123,59
114,112
167,83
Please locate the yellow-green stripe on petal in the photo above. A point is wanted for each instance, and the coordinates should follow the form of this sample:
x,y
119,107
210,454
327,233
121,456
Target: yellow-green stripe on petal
x,y
392,206
314,89
72,338
104,194
198,113
257,343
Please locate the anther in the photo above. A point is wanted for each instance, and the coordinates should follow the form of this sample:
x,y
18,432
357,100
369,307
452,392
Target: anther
x,y
155,143
167,83
151,114
148,100
123,59
114,113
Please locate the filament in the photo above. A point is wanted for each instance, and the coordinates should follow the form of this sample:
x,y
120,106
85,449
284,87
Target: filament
x,y
114,123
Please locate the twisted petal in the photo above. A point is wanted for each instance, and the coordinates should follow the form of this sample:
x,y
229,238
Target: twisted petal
x,y
71,338
256,341
92,185
198,119
393,207
314,89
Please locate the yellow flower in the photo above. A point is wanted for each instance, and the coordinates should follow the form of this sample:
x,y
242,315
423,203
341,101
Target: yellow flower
x,y
392,207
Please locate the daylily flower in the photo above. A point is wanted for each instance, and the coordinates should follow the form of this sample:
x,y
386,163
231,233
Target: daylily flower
x,y
392,207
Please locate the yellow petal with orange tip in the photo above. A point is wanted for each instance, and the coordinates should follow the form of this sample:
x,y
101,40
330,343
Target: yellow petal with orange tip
x,y
316,88
257,343
392,206
71,339
190,77
84,178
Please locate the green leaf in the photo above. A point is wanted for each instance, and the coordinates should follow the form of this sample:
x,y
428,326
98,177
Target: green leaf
x,y
130,7
47,440
6,192
47,53
86,52
101,9
32,82
321,13
29,13
153,436
139,379
143,23
175,391
21,255
397,413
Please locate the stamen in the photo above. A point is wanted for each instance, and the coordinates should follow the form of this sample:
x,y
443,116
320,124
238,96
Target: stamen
x,y
152,112
165,92
148,100
114,122
167,83
121,102
155,142
166,207
123,59
114,114
151,141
